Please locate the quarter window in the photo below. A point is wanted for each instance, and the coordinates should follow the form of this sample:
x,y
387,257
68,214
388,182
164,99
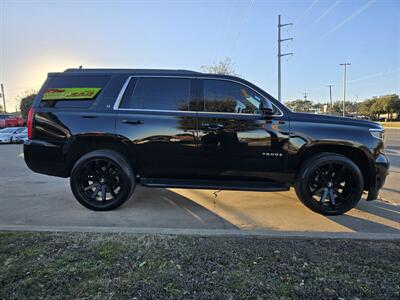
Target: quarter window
x,y
158,94
229,97
72,91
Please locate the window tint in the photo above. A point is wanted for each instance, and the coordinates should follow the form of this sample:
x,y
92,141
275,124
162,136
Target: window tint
x,y
158,93
231,97
73,91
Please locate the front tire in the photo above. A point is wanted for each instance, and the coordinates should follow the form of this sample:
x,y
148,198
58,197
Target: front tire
x,y
102,180
329,184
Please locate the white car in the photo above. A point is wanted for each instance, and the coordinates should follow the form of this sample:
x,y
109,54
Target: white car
x,y
21,137
7,134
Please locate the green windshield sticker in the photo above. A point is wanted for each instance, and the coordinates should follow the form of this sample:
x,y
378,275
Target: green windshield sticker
x,y
70,93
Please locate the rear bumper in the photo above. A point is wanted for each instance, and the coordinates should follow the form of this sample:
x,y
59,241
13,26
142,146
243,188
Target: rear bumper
x,y
45,158
381,170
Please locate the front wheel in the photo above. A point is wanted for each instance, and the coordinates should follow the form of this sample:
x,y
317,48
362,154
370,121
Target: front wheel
x,y
102,180
329,184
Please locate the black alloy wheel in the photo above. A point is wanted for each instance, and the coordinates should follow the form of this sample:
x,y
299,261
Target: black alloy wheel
x,y
330,184
102,180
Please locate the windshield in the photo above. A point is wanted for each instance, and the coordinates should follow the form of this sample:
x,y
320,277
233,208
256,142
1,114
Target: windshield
x,y
7,130
20,130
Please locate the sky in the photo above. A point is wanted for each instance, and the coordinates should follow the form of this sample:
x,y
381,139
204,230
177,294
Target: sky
x,y
37,37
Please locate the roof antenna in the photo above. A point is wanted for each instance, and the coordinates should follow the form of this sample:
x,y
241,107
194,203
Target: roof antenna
x,y
80,67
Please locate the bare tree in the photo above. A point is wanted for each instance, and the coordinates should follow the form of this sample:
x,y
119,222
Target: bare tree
x,y
26,101
224,67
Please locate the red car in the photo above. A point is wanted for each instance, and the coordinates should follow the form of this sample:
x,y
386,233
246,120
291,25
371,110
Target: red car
x,y
11,121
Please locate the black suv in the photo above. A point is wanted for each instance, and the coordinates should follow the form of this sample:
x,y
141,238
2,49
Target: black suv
x,y
109,129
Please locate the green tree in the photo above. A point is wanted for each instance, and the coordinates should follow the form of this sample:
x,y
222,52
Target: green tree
x,y
26,102
300,105
350,107
319,107
389,104
365,108
377,108
224,67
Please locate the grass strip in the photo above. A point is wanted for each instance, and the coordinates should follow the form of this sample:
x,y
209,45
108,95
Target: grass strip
x,y
122,266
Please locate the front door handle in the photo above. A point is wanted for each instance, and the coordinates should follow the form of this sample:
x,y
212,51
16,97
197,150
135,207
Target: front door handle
x,y
133,122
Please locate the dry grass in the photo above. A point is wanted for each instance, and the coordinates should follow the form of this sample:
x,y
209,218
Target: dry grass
x,y
390,124
121,266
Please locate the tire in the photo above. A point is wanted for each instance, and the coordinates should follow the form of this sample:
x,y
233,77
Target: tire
x,y
102,180
326,176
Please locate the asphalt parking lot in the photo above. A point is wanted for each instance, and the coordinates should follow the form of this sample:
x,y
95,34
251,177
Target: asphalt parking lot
x,y
32,200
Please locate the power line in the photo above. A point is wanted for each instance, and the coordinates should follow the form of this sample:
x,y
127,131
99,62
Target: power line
x,y
280,41
243,25
310,7
325,12
349,18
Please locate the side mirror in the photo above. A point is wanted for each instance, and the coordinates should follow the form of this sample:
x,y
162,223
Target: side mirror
x,y
266,107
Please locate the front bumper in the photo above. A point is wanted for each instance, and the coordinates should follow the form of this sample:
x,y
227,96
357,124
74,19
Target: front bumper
x,y
5,141
381,171
19,140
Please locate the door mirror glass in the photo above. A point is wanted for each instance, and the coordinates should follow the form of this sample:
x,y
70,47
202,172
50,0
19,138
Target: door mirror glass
x,y
266,107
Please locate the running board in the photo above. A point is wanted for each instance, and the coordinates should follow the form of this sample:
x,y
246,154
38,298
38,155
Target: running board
x,y
215,185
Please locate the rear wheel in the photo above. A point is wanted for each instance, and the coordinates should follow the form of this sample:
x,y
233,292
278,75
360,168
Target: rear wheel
x,y
102,180
329,184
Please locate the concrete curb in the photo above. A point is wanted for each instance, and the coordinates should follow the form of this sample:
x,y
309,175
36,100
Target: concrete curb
x,y
209,232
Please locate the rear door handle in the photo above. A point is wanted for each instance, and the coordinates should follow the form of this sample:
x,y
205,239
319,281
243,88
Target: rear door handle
x,y
89,117
133,122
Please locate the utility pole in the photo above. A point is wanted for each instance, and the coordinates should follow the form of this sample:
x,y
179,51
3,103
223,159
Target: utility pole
x,y
280,54
330,98
4,98
344,86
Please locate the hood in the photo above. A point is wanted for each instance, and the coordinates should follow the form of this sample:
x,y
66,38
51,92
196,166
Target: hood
x,y
333,120
5,134
21,134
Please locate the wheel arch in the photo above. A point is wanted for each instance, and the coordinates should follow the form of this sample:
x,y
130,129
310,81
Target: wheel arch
x,y
358,155
80,145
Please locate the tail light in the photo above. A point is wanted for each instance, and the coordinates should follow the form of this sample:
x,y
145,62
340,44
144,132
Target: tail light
x,y
30,122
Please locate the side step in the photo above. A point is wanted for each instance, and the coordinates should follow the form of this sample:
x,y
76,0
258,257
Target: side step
x,y
215,184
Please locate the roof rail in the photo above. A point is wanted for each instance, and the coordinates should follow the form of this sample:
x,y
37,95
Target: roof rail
x,y
140,71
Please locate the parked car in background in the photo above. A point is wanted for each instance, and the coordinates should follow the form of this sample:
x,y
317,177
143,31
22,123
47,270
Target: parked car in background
x,y
7,134
21,137
7,120
2,121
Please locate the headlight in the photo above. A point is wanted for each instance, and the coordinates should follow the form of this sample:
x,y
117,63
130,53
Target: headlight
x,y
378,133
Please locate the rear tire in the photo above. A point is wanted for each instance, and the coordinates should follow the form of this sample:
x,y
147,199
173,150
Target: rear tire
x,y
102,180
329,184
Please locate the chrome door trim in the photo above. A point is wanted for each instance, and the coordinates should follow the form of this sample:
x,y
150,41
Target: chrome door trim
x,y
124,87
121,93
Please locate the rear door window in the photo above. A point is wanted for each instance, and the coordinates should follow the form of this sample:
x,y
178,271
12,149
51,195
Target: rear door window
x,y
73,91
158,94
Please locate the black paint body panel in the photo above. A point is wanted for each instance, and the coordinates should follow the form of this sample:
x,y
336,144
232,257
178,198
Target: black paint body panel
x,y
193,144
